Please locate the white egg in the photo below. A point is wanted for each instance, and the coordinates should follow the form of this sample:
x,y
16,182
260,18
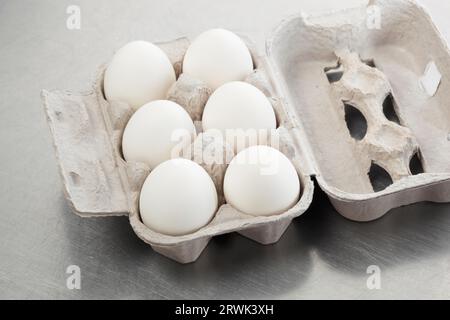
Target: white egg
x,y
138,73
218,56
178,198
261,181
242,113
156,131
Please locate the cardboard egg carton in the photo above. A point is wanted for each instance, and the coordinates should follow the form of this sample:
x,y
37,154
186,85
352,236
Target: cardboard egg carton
x,y
358,108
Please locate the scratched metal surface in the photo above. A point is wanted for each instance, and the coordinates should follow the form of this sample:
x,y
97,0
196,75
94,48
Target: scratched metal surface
x,y
321,256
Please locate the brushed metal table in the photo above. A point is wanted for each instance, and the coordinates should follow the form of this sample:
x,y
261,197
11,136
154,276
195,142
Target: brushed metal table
x,y
322,255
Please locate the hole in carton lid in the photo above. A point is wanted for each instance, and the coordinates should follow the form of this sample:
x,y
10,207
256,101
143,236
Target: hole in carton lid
x,y
334,74
356,122
369,62
75,178
379,178
431,79
415,164
389,109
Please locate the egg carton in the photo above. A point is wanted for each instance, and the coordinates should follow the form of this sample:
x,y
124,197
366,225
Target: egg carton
x,y
363,110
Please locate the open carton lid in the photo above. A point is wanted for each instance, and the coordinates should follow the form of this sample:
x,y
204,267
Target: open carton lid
x,y
395,43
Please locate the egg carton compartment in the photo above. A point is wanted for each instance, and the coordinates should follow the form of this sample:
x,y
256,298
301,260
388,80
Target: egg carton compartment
x,y
370,89
88,129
